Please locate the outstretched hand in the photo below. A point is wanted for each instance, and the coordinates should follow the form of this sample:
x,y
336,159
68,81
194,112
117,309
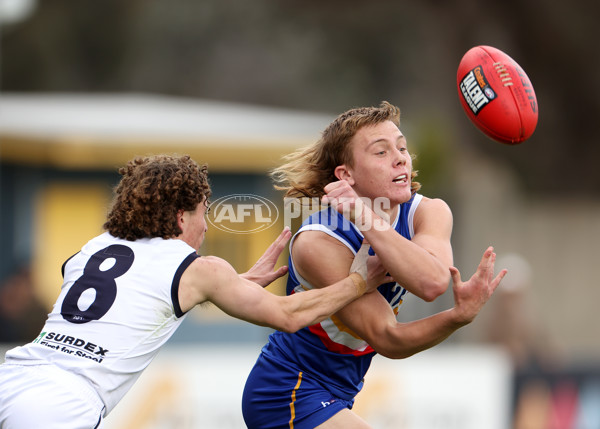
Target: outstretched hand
x,y
262,272
470,296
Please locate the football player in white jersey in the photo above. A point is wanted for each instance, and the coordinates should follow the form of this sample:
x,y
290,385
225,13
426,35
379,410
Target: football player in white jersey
x,y
361,159
127,290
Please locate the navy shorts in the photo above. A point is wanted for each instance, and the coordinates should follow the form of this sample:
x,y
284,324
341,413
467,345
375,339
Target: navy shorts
x,y
279,396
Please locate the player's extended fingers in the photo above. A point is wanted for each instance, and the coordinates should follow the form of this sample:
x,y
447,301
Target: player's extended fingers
x,y
275,249
494,283
490,267
485,265
283,238
280,272
487,256
455,274
270,277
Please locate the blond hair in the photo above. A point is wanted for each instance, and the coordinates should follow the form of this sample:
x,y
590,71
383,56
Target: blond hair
x,y
307,170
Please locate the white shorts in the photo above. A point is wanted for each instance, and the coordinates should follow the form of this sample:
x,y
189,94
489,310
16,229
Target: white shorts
x,y
44,396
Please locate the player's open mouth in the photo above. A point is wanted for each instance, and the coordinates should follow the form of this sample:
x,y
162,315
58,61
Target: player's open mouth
x,y
400,179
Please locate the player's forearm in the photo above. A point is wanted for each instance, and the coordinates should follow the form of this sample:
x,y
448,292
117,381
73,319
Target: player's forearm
x,y
406,339
409,264
312,306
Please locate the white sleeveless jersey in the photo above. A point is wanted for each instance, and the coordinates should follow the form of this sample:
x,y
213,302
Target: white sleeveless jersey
x,y
117,306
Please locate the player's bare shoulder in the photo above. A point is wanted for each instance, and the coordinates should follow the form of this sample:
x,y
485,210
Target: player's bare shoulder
x,y
200,279
433,211
317,244
316,251
436,204
211,263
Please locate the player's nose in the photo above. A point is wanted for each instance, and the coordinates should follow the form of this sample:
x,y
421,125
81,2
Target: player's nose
x,y
399,158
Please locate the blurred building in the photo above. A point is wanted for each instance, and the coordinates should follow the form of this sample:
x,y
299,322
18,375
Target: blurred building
x,y
59,156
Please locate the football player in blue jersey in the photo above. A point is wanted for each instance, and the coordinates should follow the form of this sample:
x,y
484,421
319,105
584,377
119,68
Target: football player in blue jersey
x,y
362,168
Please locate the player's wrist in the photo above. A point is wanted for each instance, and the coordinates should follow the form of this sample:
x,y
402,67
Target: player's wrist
x,y
459,318
369,220
359,283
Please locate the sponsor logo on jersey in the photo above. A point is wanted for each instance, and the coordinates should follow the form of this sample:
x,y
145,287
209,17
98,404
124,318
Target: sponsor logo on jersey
x,y
476,90
72,346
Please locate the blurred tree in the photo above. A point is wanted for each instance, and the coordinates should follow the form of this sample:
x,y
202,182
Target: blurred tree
x,y
331,56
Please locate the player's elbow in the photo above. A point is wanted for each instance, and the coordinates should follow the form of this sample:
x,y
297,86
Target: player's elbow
x,y
290,328
393,342
292,318
429,285
394,349
433,289
435,284
430,289
395,354
293,323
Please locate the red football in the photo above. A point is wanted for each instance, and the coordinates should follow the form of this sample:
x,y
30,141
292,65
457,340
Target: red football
x,y
497,95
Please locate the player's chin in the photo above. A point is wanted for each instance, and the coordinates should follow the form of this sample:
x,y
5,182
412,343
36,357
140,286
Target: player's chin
x,y
404,192
399,196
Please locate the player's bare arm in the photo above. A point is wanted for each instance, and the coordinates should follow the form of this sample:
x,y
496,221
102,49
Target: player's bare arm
x,y
215,280
421,264
371,317
322,260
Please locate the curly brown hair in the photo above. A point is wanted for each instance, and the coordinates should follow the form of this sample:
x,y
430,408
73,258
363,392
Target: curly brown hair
x,y
151,192
307,171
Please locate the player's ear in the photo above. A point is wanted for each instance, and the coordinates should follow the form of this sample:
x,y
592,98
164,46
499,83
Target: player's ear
x,y
180,219
342,172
